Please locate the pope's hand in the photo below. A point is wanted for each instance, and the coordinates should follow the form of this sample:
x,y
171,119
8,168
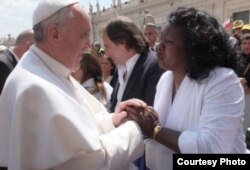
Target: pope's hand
x,y
121,115
119,118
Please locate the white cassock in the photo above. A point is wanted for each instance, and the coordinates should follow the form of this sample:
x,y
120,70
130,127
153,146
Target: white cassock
x,y
209,115
48,121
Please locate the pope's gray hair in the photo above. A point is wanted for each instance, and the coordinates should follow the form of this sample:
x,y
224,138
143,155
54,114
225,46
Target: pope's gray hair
x,y
58,18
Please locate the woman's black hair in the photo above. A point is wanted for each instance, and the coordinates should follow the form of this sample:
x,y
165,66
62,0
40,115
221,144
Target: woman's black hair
x,y
207,43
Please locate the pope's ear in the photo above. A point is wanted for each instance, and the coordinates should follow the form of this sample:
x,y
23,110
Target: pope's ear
x,y
53,34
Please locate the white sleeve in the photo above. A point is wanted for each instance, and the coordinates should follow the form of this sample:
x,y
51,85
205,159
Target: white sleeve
x,y
119,148
123,144
220,122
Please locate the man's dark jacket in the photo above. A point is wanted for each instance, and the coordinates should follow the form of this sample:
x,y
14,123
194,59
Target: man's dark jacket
x,y
142,81
7,64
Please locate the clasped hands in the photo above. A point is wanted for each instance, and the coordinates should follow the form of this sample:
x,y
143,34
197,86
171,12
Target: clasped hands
x,y
137,110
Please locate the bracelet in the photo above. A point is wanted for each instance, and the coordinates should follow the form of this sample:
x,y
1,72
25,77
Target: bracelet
x,y
157,129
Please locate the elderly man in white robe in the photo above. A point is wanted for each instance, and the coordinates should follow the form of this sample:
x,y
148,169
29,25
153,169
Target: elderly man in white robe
x,y
47,120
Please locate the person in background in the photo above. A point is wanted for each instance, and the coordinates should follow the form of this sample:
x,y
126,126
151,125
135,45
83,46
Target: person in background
x,y
91,78
108,68
9,57
137,68
236,29
150,32
48,120
199,102
237,26
244,73
245,29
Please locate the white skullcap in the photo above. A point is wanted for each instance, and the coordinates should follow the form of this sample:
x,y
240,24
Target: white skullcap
x,y
46,8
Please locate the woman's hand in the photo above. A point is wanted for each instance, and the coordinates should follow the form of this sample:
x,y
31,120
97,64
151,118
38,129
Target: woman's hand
x,y
146,118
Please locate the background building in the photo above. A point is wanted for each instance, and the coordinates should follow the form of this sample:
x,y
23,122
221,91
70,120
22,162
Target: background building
x,y
159,9
7,41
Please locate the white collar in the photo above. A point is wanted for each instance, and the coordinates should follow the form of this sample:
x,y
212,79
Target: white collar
x,y
53,64
128,67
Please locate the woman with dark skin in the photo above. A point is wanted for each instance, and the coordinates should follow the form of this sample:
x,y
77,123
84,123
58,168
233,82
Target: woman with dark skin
x,y
199,102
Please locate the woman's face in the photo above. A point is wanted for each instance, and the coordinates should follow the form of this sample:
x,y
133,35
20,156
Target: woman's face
x,y
106,65
171,51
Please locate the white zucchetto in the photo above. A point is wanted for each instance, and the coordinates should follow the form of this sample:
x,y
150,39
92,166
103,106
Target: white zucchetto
x,y
47,8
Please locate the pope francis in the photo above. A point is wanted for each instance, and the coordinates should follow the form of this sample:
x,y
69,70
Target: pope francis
x,y
47,120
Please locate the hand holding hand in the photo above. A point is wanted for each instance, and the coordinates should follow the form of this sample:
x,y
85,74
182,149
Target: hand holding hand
x,y
120,115
146,118
119,118
131,102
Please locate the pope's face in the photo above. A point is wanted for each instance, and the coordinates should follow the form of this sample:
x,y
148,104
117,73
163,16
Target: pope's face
x,y
75,39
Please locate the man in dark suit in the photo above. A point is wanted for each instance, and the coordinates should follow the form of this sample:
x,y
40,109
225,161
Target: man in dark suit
x,y
127,46
150,31
138,71
10,56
